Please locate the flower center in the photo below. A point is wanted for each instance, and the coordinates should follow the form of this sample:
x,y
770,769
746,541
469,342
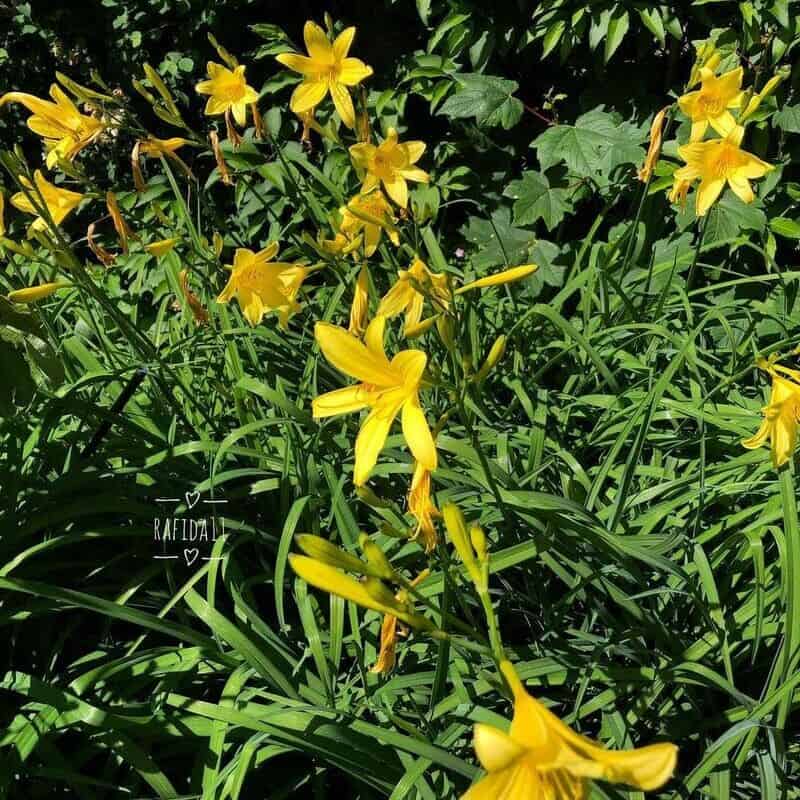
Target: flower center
x,y
725,162
710,105
230,89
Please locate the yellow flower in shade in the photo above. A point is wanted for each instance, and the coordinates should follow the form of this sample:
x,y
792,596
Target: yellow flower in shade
x,y
781,416
654,150
409,292
60,202
710,103
64,129
541,757
340,245
327,68
499,278
228,92
261,284
718,162
359,309
422,508
161,247
370,215
33,293
391,163
387,655
387,388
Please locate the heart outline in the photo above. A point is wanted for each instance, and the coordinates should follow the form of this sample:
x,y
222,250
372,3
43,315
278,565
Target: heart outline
x,y
192,499
190,555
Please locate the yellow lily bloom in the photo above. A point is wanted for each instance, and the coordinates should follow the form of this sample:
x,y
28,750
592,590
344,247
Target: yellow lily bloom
x,y
422,508
391,163
499,278
409,292
63,128
261,285
541,757
161,247
718,162
327,68
31,294
228,92
370,215
387,388
710,103
60,202
781,416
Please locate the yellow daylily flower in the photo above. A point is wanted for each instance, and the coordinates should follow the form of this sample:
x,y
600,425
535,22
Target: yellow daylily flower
x,y
359,310
781,416
541,757
409,292
654,150
387,388
718,162
63,128
327,68
60,202
391,163
228,92
710,103
31,294
387,655
261,285
499,278
161,247
422,508
370,215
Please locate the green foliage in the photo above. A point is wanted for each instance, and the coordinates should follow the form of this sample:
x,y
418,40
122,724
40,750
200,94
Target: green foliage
x,y
645,567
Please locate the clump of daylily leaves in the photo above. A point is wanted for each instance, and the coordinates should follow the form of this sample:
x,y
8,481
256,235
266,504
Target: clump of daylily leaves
x,y
538,756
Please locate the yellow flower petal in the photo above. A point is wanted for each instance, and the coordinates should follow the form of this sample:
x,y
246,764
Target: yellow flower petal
x,y
371,439
317,44
707,193
343,103
418,435
307,95
495,750
340,401
342,43
353,71
351,357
